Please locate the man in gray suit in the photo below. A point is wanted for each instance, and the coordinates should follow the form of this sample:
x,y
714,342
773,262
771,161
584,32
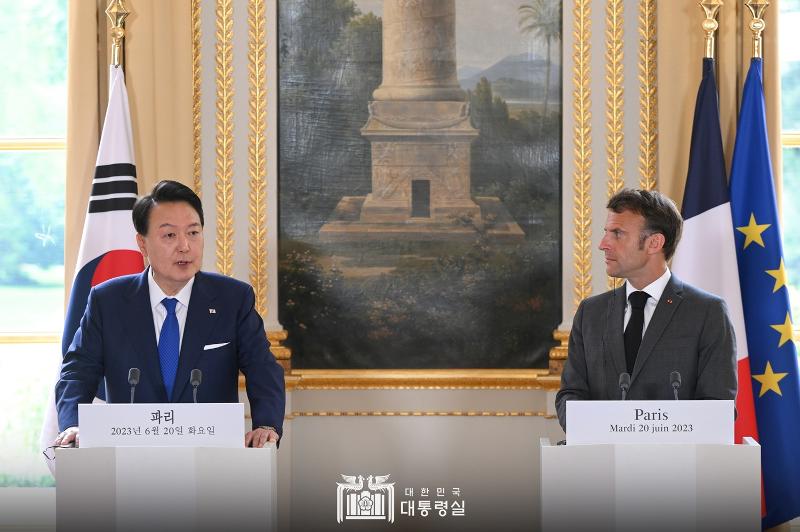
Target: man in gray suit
x,y
653,325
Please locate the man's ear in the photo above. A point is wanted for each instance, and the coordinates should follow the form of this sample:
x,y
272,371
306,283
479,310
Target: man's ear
x,y
140,243
655,243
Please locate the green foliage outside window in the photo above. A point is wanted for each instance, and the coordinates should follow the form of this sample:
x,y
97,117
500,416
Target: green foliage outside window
x,y
790,116
33,35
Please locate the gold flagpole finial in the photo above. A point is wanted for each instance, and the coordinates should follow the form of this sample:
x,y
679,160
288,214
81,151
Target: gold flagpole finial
x,y
117,14
710,25
757,24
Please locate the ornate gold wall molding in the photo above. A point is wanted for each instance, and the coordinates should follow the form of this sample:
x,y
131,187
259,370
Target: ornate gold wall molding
x,y
196,93
615,100
224,149
413,413
558,353
648,96
257,150
615,95
282,353
417,379
582,176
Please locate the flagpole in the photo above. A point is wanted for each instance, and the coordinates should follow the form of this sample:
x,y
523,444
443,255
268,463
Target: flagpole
x,y
108,246
117,13
710,24
757,24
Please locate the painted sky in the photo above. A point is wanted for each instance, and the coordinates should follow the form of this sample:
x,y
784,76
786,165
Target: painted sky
x,y
486,31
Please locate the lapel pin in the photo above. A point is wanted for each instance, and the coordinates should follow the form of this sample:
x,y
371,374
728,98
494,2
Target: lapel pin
x,y
669,301
212,311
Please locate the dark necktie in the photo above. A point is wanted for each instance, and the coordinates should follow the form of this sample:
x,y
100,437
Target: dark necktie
x,y
633,332
168,345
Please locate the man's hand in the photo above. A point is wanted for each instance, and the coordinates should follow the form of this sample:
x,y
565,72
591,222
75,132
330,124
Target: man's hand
x,y
69,436
260,437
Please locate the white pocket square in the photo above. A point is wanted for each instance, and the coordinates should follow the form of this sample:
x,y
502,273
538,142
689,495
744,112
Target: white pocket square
x,y
214,346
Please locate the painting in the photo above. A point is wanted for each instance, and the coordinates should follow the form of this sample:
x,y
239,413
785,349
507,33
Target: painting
x,y
419,182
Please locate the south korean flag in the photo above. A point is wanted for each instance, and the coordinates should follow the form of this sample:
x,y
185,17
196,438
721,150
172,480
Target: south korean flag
x,y
108,245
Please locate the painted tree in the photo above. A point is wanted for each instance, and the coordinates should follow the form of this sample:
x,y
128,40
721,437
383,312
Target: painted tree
x,y
542,19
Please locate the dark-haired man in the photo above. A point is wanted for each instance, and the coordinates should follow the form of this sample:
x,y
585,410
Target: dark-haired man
x,y
653,325
168,320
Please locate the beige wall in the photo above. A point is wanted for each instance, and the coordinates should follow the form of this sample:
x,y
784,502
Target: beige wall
x,y
681,45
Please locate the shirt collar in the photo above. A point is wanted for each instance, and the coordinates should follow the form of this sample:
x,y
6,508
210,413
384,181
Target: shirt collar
x,y
157,294
654,289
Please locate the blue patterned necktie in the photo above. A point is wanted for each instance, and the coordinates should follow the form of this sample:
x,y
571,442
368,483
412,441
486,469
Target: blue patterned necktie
x,y
168,345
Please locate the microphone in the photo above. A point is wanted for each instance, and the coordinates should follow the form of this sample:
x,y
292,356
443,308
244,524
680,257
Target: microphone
x,y
195,379
624,383
675,381
133,380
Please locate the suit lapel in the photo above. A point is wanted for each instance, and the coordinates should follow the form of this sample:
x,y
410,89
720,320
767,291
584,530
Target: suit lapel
x,y
671,298
199,325
138,317
612,337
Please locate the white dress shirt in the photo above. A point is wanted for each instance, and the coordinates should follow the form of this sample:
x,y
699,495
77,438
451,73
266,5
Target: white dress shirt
x,y
160,312
654,289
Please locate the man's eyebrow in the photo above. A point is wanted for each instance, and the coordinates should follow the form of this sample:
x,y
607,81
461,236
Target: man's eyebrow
x,y
167,224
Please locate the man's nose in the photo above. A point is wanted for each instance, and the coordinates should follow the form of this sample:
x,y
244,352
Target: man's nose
x,y
183,243
603,244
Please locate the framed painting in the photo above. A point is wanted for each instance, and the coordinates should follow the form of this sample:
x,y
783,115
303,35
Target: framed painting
x,y
419,183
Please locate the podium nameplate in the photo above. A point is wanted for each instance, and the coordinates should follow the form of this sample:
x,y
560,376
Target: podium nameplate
x,y
697,422
162,425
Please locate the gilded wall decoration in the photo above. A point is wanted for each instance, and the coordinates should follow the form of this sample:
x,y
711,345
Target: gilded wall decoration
x,y
257,150
224,149
648,96
582,150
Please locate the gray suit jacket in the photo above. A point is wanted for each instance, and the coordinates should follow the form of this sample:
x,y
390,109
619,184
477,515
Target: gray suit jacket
x,y
690,332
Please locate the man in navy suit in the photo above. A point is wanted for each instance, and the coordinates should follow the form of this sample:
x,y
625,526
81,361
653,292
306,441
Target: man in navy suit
x,y
168,320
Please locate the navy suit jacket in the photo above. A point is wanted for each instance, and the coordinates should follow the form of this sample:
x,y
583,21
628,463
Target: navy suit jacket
x,y
117,333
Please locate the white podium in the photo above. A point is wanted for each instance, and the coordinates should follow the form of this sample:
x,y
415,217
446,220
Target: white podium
x,y
650,486
166,488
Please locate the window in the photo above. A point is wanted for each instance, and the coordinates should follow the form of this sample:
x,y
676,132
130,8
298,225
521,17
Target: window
x,y
790,143
33,35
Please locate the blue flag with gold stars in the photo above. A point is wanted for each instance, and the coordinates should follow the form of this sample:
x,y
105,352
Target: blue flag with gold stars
x,y
773,356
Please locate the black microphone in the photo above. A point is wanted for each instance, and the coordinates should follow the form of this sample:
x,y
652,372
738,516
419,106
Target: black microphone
x,y
675,381
624,383
133,380
195,379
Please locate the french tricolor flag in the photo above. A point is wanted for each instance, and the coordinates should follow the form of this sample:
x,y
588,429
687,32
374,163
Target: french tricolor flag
x,y
108,245
706,255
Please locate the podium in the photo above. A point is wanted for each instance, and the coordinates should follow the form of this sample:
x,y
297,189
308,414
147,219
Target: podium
x,y
650,486
129,476
166,488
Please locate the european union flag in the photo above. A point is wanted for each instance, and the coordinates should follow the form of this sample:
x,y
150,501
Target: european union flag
x,y
773,356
